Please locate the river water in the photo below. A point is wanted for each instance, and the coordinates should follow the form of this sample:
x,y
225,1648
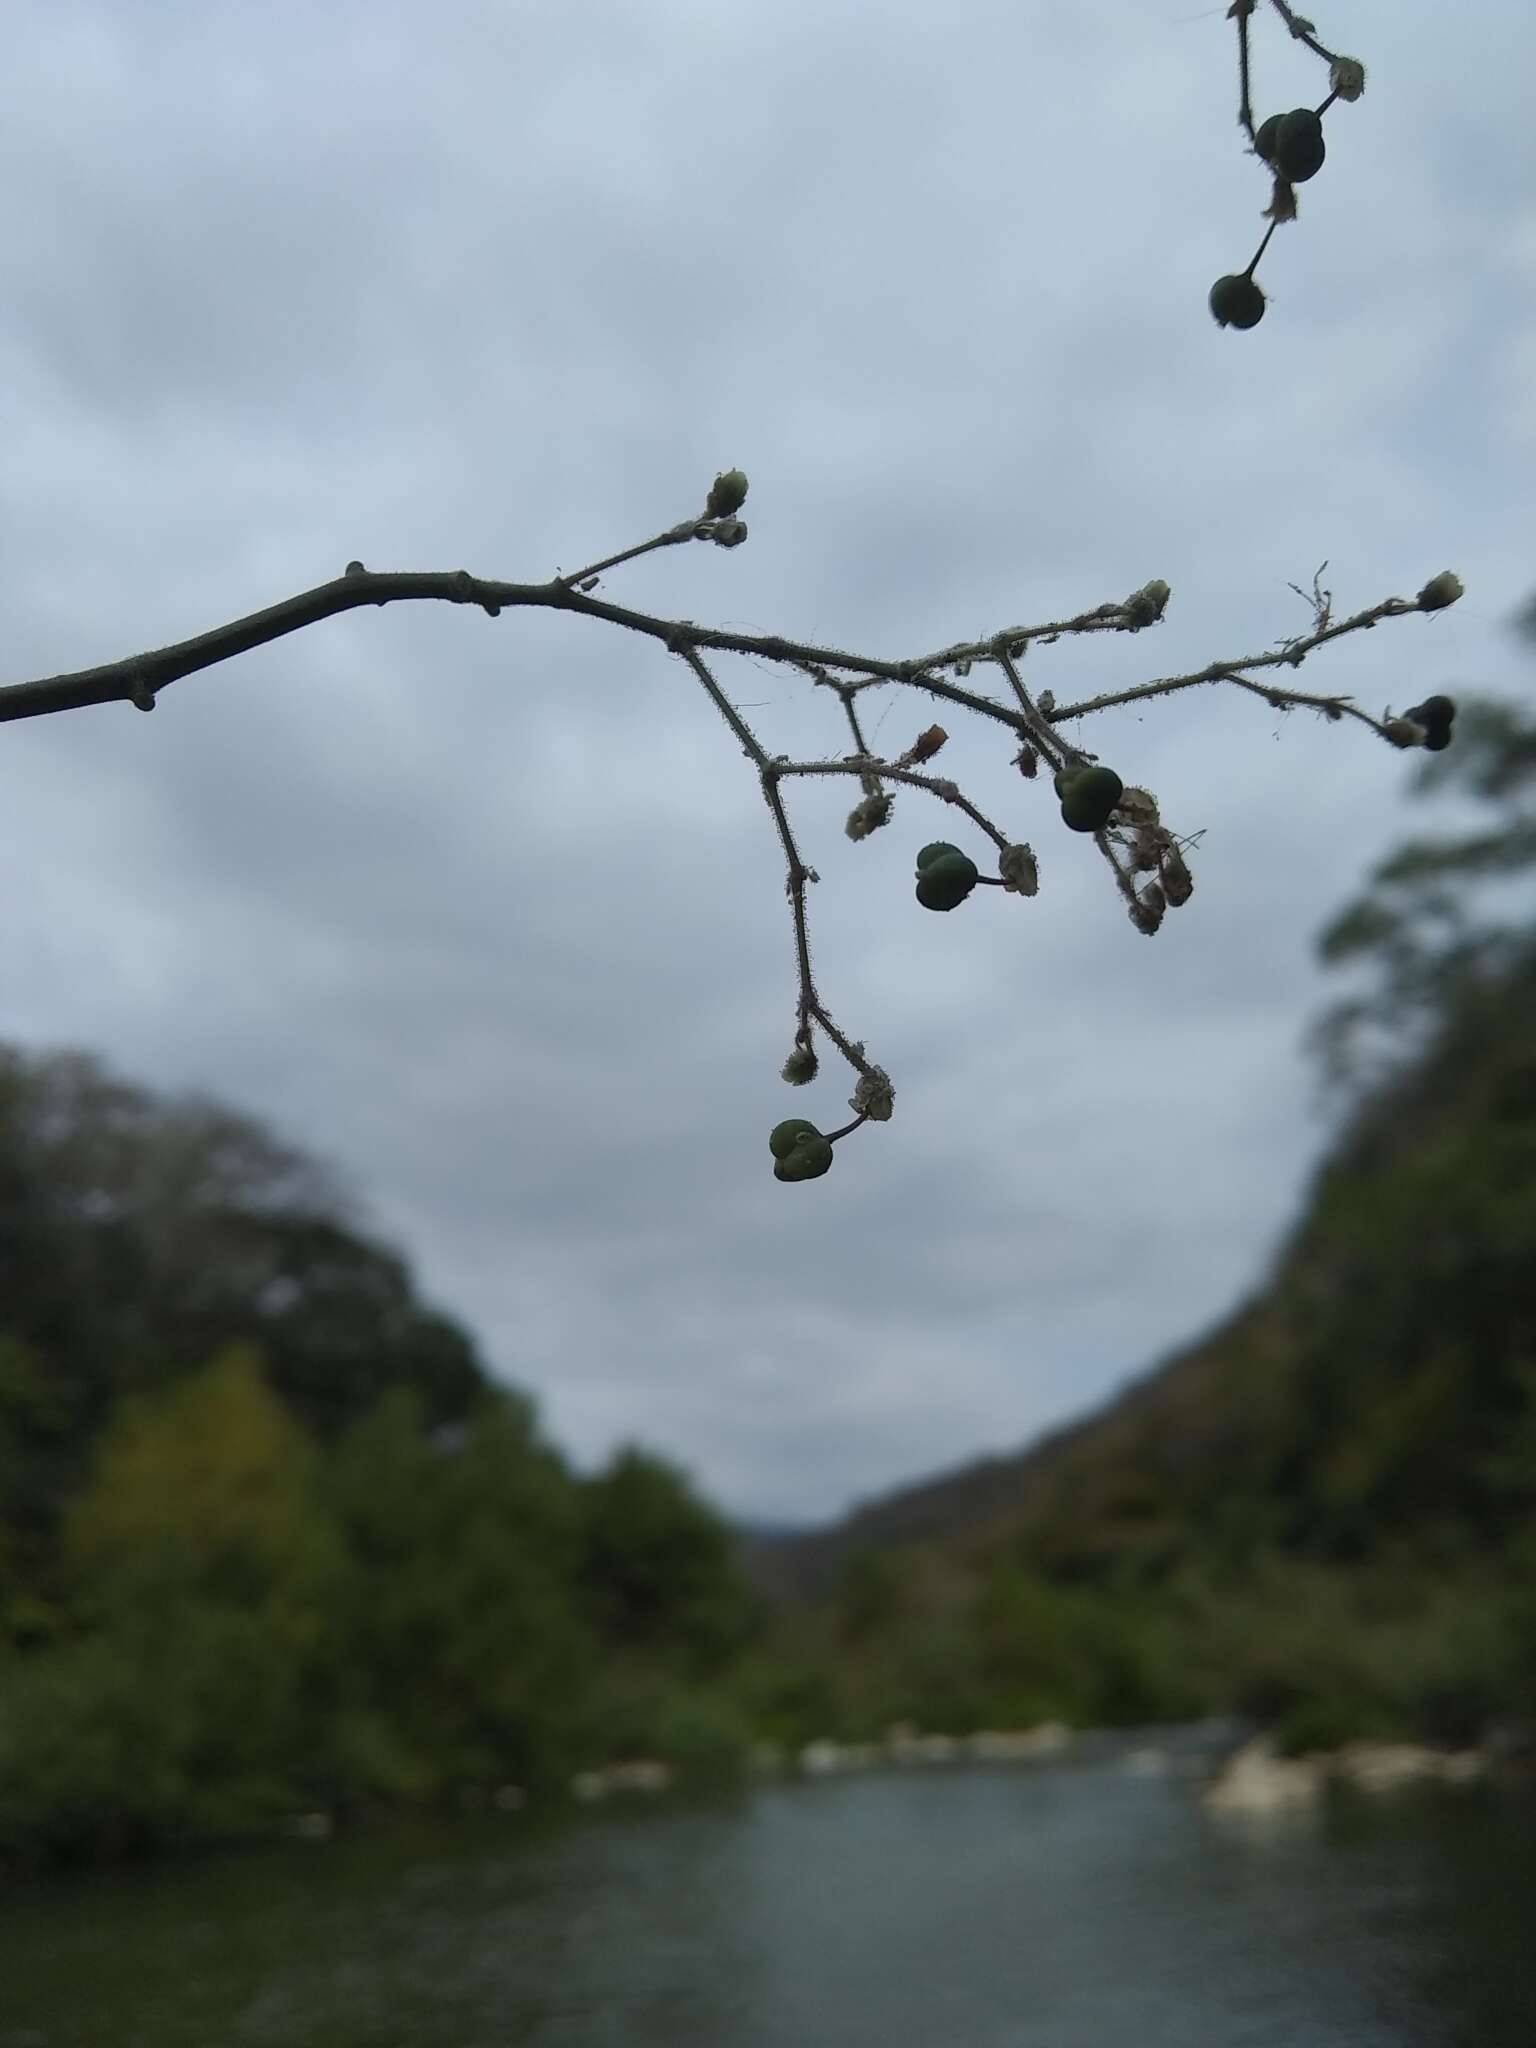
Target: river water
x,y
1090,1903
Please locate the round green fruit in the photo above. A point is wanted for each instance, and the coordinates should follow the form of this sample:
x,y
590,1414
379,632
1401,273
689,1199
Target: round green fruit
x,y
808,1159
945,883
1299,145
783,1138
1264,141
1237,302
1435,715
1087,805
936,850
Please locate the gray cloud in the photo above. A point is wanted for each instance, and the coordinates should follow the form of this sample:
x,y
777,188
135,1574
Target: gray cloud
x,y
490,913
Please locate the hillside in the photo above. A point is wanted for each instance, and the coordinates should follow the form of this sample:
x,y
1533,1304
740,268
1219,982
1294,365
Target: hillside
x,y
1355,1447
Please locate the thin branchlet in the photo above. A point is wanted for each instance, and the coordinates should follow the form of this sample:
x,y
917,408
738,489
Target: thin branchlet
x,y
1125,827
1289,145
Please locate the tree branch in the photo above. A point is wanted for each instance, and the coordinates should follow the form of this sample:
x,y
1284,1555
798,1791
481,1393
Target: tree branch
x,y
1126,828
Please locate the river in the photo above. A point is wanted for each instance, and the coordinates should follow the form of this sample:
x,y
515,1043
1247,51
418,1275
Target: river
x,y
1088,1903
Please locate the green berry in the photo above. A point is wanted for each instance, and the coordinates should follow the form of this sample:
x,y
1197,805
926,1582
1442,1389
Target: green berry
x,y
1090,799
1237,302
1063,779
1435,715
945,883
807,1159
1264,141
936,850
1299,145
783,1138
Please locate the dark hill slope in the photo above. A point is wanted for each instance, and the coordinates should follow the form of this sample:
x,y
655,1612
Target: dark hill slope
x,y
1378,1391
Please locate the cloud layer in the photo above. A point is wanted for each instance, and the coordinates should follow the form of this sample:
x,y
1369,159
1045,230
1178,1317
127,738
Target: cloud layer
x,y
490,912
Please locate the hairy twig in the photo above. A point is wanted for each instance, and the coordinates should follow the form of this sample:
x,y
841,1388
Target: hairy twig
x,y
1123,822
1290,145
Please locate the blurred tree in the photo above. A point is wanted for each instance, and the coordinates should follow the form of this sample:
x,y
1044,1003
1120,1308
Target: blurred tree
x,y
459,1634
200,1564
1423,922
139,1237
208,1488
658,1564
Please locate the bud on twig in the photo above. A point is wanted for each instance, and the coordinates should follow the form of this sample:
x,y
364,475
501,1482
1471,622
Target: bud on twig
x,y
800,1067
874,1096
1177,883
1146,909
1138,806
868,816
727,494
1440,591
1402,732
1019,870
1145,606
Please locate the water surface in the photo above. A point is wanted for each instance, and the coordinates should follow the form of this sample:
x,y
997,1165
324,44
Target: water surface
x,y
1080,1905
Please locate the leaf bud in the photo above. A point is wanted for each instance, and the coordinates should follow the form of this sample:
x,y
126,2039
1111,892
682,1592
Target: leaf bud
x,y
1440,591
800,1067
1177,882
1019,870
727,494
868,816
1145,606
1138,806
873,1096
1146,909
1346,78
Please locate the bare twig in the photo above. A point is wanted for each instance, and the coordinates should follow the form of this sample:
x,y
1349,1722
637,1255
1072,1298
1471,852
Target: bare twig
x,y
1303,30
1127,830
1289,145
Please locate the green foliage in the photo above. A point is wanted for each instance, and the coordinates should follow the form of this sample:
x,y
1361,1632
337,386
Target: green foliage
x,y
459,1638
659,1565
140,1237
219,1605
206,1490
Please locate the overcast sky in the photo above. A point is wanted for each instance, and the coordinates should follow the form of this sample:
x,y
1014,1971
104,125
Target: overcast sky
x,y
490,913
